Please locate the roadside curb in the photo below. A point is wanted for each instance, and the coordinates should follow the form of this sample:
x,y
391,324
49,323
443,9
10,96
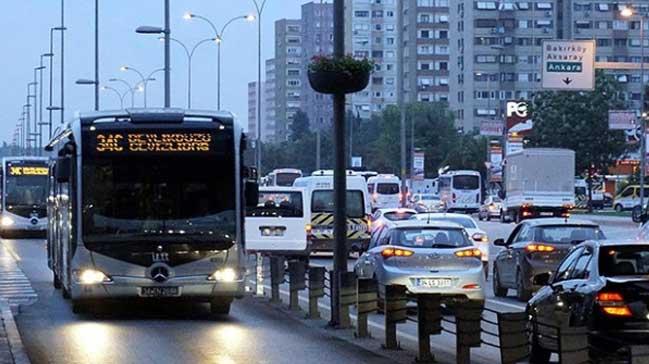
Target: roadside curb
x,y
13,336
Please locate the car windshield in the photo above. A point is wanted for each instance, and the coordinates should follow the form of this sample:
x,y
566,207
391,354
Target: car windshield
x,y
466,182
278,204
323,201
432,238
387,188
567,234
144,197
398,215
624,260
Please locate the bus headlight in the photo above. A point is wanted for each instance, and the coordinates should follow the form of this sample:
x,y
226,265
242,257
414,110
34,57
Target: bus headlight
x,y
6,221
91,276
224,275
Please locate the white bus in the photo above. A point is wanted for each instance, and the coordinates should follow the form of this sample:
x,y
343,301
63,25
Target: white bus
x,y
149,204
320,194
24,197
385,190
283,177
461,190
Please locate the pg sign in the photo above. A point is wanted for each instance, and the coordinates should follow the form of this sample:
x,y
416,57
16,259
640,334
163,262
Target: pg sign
x,y
569,65
516,113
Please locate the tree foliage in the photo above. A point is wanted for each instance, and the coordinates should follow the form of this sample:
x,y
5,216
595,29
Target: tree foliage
x,y
579,121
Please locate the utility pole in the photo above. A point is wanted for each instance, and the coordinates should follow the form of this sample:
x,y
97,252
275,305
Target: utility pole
x,y
400,101
167,36
340,178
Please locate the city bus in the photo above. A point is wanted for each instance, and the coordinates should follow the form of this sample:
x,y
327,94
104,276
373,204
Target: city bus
x,y
461,190
149,204
24,195
283,177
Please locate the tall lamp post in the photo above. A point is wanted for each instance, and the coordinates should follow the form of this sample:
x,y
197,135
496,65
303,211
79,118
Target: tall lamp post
x,y
38,121
119,95
219,39
129,88
190,57
260,5
144,81
629,12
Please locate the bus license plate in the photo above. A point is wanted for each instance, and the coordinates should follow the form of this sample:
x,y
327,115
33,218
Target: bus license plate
x,y
434,282
160,291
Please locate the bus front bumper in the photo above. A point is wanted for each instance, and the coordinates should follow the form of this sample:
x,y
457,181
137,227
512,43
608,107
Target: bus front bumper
x,y
187,288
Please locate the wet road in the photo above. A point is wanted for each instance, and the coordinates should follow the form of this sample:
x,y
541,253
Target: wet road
x,y
142,333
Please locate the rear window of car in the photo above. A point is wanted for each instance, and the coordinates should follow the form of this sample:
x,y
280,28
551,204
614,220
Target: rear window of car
x,y
466,223
398,216
566,234
387,188
625,260
323,201
278,204
431,238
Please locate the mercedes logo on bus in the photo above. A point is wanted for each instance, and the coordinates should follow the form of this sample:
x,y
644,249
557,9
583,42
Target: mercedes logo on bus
x,y
159,273
34,221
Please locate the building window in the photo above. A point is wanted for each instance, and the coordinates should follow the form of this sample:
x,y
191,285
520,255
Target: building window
x,y
362,14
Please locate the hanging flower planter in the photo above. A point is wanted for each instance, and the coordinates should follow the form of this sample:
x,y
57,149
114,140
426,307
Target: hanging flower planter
x,y
343,75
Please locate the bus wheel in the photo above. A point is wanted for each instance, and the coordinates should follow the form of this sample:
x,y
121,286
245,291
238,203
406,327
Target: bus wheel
x,y
56,281
221,306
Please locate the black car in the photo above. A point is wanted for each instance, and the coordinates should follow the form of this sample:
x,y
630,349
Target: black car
x,y
603,286
537,246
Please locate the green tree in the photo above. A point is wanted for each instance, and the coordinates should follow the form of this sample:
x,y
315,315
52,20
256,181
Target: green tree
x,y
300,126
579,121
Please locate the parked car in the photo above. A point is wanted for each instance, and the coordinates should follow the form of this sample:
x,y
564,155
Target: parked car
x,y
490,208
534,247
427,203
434,257
600,285
477,235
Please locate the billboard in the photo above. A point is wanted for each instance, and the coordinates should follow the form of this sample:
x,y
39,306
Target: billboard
x,y
516,113
495,163
569,65
621,120
491,128
418,166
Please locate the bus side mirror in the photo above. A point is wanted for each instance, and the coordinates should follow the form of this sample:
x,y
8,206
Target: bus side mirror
x,y
252,194
63,170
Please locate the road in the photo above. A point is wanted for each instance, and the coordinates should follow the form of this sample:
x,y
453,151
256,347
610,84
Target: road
x,y
142,333
254,333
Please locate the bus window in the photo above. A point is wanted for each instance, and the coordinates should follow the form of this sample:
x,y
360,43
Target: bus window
x,y
323,201
466,182
286,179
387,188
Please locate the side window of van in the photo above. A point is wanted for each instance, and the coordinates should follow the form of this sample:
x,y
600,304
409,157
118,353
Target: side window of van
x,y
370,188
628,192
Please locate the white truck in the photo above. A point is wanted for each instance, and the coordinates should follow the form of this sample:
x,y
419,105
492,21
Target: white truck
x,y
538,182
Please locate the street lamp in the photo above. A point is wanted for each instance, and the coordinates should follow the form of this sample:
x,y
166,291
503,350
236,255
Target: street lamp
x,y
129,88
50,107
166,32
190,56
119,95
259,6
629,12
218,35
127,68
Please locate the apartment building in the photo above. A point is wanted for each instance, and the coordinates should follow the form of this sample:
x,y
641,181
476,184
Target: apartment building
x,y
269,126
371,31
252,110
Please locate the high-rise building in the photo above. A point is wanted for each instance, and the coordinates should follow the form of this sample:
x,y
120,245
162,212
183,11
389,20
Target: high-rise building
x,y
371,32
426,50
269,116
317,39
252,110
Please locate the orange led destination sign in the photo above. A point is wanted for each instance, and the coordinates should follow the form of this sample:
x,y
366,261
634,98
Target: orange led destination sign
x,y
27,171
173,142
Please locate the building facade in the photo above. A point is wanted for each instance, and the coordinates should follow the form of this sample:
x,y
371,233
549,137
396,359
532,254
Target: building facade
x,y
269,112
252,110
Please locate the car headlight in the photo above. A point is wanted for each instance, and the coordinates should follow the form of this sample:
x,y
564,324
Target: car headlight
x,y
224,275
91,276
6,221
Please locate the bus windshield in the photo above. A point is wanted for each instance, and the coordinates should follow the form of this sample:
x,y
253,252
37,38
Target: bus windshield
x,y
147,198
26,187
466,182
286,179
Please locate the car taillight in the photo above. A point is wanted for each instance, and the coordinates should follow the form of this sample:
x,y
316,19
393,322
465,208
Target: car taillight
x,y
480,238
468,253
612,303
539,248
396,252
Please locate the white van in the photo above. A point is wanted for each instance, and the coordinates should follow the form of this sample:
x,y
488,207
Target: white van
x,y
385,190
320,195
280,223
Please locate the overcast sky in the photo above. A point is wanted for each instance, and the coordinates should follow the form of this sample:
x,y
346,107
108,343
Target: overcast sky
x,y
25,26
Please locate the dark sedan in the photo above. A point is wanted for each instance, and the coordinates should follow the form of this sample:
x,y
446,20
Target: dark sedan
x,y
603,286
537,246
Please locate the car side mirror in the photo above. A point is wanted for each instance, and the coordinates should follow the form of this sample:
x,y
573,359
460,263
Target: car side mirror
x,y
542,279
252,194
63,169
500,242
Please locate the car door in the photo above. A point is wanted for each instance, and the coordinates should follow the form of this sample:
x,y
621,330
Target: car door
x,y
551,306
368,261
515,247
577,290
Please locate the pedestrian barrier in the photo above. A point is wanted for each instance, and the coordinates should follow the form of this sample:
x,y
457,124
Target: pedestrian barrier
x,y
276,278
366,303
347,297
395,312
297,282
429,322
316,290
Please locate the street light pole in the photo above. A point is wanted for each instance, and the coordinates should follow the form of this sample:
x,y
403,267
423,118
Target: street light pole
x,y
119,95
167,68
62,61
127,68
260,9
96,55
129,88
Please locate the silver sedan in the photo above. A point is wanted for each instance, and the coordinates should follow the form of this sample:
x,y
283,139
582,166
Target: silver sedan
x,y
427,257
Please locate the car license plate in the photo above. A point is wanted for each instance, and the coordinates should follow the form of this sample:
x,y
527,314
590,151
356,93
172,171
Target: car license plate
x,y
324,231
434,282
160,291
